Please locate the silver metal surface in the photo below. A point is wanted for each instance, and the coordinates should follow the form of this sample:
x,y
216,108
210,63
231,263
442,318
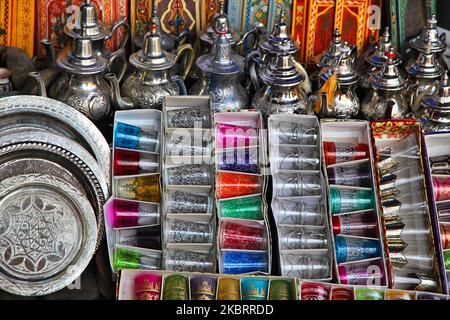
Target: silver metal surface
x,y
282,93
220,73
435,111
56,117
151,79
47,234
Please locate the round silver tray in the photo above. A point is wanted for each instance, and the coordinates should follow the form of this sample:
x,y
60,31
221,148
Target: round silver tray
x,y
54,116
47,234
64,152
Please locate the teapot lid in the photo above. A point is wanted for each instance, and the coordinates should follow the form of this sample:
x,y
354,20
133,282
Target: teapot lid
x,y
389,77
210,35
377,57
429,38
221,60
279,38
425,66
90,25
442,97
329,57
281,70
152,57
344,65
82,59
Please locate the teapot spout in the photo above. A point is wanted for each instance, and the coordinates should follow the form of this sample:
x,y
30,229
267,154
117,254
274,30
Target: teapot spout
x,y
50,57
121,103
41,90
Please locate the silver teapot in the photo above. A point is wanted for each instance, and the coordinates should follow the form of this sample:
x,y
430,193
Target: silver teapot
x,y
282,93
343,102
81,82
329,57
424,74
91,27
151,79
372,61
386,100
274,44
220,74
437,108
429,39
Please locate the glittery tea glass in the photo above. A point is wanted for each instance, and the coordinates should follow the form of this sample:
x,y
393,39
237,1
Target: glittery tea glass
x,y
186,144
125,213
294,185
175,287
306,266
142,188
315,291
254,288
180,231
187,202
228,289
300,212
127,162
239,159
203,288
132,137
242,208
133,259
232,136
191,117
292,238
147,286
296,133
281,290
298,158
248,236
238,262
194,175
230,185
190,261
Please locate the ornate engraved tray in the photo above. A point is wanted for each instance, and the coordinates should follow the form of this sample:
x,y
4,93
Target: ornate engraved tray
x,y
42,151
48,232
56,117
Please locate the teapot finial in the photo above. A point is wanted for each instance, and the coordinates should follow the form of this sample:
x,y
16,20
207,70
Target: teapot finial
x,y
282,16
337,36
221,7
386,35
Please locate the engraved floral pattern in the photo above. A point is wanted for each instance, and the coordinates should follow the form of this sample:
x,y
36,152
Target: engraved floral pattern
x,y
39,233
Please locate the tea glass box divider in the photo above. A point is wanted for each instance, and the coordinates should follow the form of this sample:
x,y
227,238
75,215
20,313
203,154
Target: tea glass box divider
x,y
310,290
189,220
437,154
244,241
354,212
412,259
132,214
126,288
299,197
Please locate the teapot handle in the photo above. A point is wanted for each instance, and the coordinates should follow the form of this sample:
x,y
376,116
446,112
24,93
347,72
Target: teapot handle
x,y
181,38
120,23
119,54
187,64
181,86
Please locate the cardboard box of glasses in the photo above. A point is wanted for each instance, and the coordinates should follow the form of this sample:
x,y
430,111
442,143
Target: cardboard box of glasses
x,y
437,160
166,285
189,219
355,214
408,223
244,240
299,197
132,215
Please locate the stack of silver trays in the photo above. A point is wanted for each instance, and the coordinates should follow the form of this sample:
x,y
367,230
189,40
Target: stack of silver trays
x,y
54,179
